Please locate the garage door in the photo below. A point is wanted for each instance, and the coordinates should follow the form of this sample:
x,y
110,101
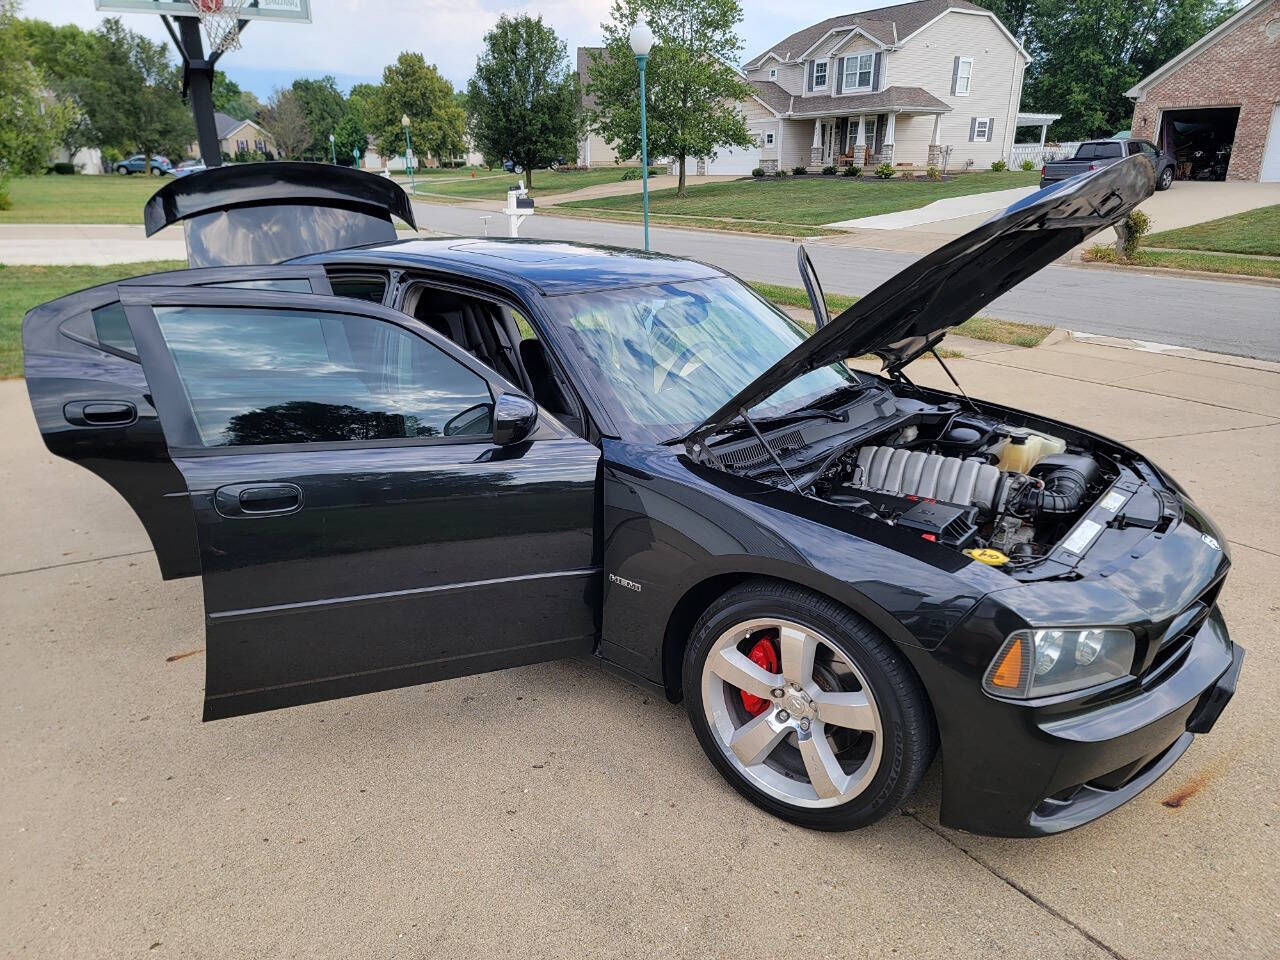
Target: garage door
x,y
1271,155
735,160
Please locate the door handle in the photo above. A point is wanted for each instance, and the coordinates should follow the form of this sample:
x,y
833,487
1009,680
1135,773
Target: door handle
x,y
237,500
100,413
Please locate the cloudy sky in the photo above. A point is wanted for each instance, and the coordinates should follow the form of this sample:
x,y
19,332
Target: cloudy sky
x,y
355,39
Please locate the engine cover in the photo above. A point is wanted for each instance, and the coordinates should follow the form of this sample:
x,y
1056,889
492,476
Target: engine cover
x,y
914,473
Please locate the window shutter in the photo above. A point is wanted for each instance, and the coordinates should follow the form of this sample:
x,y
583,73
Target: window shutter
x,y
991,128
840,75
973,129
875,73
955,77
809,86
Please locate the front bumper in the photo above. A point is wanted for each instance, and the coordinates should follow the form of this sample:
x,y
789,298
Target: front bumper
x,y
1035,769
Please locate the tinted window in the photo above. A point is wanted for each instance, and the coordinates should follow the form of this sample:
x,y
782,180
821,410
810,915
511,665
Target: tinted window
x,y
1099,151
112,328
256,376
1135,148
368,288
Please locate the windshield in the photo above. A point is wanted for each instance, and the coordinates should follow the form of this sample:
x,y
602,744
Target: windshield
x,y
665,357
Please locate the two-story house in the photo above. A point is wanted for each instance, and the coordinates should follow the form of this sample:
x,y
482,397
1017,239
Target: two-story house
x,y
892,85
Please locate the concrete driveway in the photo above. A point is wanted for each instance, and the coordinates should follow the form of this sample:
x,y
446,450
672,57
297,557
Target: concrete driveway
x,y
556,811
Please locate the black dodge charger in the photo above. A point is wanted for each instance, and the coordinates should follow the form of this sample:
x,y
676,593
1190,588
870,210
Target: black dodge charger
x,y
394,462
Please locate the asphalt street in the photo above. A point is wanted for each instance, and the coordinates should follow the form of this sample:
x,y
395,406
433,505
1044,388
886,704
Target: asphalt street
x,y
1217,315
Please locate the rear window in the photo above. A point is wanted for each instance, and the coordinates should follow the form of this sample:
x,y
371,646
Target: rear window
x,y
1099,151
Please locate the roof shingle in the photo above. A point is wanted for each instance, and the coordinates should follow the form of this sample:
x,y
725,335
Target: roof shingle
x,y
903,99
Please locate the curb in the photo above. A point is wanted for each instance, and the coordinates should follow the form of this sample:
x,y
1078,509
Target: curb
x,y
1175,272
1149,346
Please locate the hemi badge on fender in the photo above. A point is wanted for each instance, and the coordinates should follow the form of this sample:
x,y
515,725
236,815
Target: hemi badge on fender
x,y
622,582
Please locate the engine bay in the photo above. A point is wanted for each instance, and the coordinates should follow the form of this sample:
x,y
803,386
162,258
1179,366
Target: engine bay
x,y
999,488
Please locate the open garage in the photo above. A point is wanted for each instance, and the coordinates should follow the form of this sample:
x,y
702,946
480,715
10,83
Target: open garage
x,y
1214,105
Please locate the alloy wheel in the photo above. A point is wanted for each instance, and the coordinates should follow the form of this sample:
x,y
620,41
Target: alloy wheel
x,y
809,735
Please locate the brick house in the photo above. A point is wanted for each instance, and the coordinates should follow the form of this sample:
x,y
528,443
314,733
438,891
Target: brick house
x,y
1221,97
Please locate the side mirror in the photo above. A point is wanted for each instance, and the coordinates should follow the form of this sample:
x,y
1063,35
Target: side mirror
x,y
514,418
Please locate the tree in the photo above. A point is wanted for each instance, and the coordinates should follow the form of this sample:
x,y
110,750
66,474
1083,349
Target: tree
x,y
349,135
324,106
134,94
691,85
231,100
285,121
362,102
26,134
1087,53
414,88
523,99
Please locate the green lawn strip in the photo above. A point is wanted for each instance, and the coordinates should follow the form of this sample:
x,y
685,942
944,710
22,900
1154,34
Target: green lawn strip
x,y
976,328
106,198
22,288
697,223
809,200
1254,231
545,183
1248,266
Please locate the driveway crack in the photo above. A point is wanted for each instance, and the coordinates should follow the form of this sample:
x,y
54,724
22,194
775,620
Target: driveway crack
x,y
1019,888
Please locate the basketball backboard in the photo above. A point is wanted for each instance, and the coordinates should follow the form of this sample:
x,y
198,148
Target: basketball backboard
x,y
293,11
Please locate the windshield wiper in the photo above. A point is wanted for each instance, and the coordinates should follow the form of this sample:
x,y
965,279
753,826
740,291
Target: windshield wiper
x,y
806,413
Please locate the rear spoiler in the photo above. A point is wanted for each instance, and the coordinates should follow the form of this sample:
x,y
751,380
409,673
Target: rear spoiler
x,y
268,212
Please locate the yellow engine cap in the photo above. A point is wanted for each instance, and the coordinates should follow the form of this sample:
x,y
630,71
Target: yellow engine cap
x,y
988,556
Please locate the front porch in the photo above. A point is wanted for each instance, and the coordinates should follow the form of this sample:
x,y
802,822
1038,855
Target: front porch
x,y
898,138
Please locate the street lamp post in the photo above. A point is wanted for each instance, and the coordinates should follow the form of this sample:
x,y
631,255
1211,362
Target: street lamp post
x,y
641,44
408,148
333,157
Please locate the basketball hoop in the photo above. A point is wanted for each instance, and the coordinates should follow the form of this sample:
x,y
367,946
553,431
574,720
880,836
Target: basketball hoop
x,y
221,22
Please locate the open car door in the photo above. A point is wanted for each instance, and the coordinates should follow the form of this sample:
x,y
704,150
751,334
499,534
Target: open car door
x,y
359,526
93,406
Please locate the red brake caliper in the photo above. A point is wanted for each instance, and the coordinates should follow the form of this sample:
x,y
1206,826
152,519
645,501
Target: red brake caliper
x,y
764,655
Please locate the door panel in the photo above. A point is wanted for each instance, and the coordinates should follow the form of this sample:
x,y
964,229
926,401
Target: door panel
x,y
333,568
79,362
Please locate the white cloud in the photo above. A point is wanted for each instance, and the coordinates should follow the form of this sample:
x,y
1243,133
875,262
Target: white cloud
x,y
359,37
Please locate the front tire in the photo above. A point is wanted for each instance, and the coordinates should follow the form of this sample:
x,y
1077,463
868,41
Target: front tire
x,y
1166,179
123,171
834,731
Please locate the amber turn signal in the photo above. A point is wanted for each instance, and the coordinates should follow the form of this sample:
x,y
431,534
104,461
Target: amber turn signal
x,y
1008,672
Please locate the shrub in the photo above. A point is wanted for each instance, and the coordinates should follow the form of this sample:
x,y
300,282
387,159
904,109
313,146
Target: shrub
x,y
999,165
64,168
5,202
780,173
884,171
1027,166
758,172
631,173
799,171
1100,253
852,171
933,173
1130,234
829,170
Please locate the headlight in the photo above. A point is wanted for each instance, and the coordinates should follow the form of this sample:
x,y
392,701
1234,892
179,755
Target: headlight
x,y
1039,663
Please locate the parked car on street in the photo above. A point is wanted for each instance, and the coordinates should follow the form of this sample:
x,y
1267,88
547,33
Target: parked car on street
x,y
188,167
137,164
1096,154
383,482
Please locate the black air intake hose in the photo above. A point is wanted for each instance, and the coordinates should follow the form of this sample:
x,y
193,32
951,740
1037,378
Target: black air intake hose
x,y
1066,478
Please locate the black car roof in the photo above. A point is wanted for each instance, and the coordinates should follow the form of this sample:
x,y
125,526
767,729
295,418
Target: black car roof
x,y
553,267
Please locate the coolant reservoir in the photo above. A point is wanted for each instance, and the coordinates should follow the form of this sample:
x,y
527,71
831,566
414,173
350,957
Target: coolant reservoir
x,y
1024,449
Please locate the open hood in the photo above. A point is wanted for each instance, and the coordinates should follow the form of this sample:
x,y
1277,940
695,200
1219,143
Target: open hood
x,y
909,313
262,213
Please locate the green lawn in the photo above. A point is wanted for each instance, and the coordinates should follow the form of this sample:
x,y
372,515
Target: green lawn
x,y
1255,231
1192,260
79,199
22,288
809,200
545,183
701,223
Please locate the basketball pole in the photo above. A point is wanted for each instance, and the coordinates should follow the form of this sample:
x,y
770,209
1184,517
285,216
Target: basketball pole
x,y
197,84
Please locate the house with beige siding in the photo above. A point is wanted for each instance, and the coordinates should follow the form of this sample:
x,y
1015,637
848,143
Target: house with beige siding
x,y
895,85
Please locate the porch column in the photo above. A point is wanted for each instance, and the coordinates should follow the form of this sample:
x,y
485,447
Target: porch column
x,y
886,150
860,147
935,143
815,151
1044,129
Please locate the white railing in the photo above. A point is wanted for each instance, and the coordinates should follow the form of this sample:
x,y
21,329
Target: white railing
x,y
1038,154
